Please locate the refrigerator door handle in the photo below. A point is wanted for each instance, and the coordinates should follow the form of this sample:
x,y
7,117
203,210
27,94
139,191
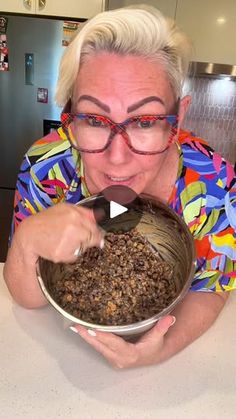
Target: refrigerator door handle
x,y
27,4
41,4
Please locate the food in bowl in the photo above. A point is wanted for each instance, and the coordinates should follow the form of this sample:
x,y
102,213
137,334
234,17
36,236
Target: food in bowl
x,y
123,283
163,234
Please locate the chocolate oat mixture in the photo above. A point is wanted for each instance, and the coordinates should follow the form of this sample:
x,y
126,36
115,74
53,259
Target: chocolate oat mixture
x,y
123,283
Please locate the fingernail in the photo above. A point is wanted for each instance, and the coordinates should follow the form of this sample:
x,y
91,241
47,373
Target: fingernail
x,y
91,332
102,242
74,329
173,320
77,252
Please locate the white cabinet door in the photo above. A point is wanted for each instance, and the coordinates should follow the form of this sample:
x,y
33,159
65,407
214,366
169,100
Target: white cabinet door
x,y
17,6
167,7
211,25
71,8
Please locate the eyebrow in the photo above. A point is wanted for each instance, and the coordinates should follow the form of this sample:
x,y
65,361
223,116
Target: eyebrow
x,y
142,102
131,108
97,102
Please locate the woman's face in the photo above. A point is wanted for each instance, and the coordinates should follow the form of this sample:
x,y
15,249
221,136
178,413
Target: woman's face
x,y
120,87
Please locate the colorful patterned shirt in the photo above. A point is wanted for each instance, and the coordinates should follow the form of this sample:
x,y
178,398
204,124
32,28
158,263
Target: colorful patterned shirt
x,y
204,195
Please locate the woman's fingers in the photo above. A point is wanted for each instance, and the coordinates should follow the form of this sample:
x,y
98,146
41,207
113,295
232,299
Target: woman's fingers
x,y
63,232
106,344
112,341
158,330
116,350
122,354
95,215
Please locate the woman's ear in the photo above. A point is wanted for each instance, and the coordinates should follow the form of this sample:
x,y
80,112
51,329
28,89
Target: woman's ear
x,y
185,102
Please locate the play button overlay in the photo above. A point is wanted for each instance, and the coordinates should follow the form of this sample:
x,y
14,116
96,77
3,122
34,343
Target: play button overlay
x,y
116,208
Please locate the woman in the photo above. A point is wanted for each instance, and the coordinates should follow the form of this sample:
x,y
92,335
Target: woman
x,y
124,64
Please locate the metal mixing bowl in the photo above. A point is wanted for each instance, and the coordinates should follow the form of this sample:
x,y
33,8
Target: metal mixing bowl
x,y
168,235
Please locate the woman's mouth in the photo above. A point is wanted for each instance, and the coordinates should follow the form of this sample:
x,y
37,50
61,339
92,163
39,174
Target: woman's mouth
x,y
124,180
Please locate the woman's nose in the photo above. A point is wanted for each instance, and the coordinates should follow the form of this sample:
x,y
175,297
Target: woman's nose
x,y
118,150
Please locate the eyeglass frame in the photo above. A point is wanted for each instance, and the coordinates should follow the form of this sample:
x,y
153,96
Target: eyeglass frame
x,y
118,128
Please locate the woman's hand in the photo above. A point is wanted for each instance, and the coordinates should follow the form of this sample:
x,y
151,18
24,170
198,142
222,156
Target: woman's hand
x,y
122,354
59,233
195,314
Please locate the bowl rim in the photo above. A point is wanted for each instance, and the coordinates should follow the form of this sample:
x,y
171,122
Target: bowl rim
x,y
141,324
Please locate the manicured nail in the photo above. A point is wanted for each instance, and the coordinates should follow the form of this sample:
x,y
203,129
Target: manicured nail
x,y
77,252
91,332
173,320
74,329
102,242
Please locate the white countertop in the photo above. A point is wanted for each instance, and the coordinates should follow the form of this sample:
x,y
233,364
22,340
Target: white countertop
x,y
49,372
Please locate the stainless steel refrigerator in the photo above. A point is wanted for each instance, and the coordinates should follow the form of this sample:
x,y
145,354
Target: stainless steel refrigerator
x,y
35,48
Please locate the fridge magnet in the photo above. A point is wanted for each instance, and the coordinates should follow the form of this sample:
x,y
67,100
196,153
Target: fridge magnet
x,y
42,95
3,24
69,28
4,65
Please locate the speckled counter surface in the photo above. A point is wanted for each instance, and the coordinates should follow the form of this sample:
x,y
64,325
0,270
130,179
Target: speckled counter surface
x,y
48,372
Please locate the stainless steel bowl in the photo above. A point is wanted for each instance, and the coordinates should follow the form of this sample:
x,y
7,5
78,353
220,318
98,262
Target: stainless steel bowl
x,y
169,236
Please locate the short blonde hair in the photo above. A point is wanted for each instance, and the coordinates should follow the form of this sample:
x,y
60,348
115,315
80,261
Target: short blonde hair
x,y
139,30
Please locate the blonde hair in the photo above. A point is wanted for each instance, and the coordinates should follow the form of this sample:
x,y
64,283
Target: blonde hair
x,y
139,30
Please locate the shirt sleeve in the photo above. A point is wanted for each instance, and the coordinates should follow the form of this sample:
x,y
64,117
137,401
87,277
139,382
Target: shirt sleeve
x,y
30,195
206,199
43,179
215,242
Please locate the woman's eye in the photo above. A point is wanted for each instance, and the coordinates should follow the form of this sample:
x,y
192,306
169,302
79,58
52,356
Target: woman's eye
x,y
145,124
94,122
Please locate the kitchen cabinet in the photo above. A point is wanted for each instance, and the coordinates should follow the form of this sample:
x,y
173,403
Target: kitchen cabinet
x,y
167,7
16,6
211,26
68,8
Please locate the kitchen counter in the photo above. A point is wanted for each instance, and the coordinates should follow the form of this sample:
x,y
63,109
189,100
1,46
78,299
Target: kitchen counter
x,y
47,371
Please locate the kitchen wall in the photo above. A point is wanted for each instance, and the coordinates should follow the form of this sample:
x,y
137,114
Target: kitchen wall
x,y
210,24
212,114
21,116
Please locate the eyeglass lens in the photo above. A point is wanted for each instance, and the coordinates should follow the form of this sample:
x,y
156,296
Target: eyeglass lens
x,y
145,134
